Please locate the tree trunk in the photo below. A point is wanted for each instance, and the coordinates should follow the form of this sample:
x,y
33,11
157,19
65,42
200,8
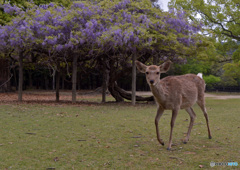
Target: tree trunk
x,y
124,94
20,80
112,82
114,75
104,88
114,93
105,82
74,79
53,83
57,84
9,74
133,79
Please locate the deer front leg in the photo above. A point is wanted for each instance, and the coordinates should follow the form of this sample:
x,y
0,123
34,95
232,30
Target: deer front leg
x,y
174,115
192,118
157,118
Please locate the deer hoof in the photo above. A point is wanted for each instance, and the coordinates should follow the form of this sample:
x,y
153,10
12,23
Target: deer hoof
x,y
161,142
184,142
210,137
168,149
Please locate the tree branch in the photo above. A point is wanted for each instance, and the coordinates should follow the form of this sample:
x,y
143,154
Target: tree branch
x,y
229,33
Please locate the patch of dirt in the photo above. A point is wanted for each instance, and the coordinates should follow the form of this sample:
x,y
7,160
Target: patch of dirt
x,y
215,96
66,96
222,96
44,97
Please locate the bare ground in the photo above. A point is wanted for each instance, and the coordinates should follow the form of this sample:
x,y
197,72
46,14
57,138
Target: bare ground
x,y
65,96
42,96
222,96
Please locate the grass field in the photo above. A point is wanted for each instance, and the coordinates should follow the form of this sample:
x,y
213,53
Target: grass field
x,y
114,136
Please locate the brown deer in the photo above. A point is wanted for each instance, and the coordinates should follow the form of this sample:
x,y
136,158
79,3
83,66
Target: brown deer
x,y
174,93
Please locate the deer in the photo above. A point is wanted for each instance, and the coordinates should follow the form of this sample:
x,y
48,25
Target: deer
x,y
175,93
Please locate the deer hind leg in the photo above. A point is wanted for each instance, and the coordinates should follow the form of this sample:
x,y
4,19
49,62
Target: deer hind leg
x,y
201,104
192,118
157,118
174,115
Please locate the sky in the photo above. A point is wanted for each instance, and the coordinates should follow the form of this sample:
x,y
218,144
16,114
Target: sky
x,y
163,4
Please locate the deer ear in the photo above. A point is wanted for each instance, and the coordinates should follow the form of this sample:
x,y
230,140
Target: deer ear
x,y
165,66
140,66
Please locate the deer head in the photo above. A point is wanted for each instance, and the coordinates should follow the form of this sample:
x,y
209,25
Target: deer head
x,y
153,72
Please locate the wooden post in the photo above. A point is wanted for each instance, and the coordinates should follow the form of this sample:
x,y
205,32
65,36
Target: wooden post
x,y
20,80
74,79
133,79
57,83
53,83
104,84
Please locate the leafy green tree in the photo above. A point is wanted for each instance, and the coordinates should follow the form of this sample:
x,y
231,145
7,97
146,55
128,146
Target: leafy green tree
x,y
236,55
211,80
221,21
221,17
194,66
232,70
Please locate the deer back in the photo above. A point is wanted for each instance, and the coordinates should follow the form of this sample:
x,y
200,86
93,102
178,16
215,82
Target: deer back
x,y
178,91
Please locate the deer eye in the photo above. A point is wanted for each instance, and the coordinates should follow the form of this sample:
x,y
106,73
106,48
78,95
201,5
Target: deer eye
x,y
157,73
147,72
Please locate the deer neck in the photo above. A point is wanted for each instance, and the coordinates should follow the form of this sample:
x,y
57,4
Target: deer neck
x,y
159,92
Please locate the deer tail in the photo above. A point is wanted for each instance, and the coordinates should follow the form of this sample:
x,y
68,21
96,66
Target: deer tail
x,y
200,75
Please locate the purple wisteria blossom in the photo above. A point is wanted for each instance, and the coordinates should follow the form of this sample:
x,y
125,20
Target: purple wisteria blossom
x,y
9,9
90,28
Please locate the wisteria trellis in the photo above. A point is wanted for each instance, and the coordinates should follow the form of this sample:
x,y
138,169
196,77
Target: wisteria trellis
x,y
87,29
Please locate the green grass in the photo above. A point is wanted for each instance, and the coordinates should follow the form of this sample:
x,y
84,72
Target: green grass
x,y
114,136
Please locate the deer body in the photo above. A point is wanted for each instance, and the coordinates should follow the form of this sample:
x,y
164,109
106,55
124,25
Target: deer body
x,y
178,91
174,93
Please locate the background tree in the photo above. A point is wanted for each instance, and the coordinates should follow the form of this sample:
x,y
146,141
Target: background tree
x,y
107,34
221,22
8,13
220,17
